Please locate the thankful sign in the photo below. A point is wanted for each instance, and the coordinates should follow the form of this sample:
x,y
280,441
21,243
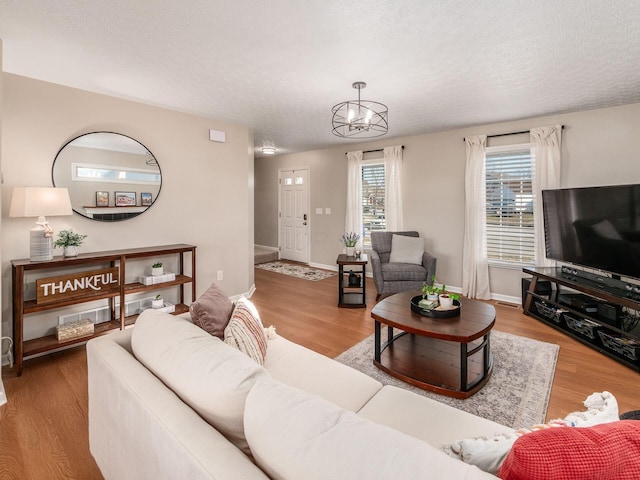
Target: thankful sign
x,y
77,285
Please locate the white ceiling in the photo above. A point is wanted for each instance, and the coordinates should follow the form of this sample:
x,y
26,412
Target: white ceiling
x,y
279,66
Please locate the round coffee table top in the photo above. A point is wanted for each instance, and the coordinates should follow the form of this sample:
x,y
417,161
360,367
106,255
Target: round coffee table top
x,y
476,318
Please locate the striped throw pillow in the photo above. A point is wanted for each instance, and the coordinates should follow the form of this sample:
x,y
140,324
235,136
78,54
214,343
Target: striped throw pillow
x,y
245,331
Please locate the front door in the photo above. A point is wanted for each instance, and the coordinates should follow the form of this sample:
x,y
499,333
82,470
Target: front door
x,y
294,215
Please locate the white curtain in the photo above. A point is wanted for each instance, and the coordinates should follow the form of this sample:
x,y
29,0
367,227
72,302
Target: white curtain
x,y
353,217
475,266
393,188
546,150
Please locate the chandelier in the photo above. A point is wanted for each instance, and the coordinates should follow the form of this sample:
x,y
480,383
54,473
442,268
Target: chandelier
x,y
360,118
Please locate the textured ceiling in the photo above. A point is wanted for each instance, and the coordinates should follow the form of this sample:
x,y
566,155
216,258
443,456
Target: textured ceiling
x,y
279,66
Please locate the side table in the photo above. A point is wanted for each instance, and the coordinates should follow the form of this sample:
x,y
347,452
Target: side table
x,y
352,284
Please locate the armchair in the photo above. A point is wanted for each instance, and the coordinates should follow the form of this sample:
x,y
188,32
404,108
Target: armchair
x,y
392,278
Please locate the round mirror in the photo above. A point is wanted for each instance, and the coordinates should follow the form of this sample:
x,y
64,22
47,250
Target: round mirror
x,y
110,176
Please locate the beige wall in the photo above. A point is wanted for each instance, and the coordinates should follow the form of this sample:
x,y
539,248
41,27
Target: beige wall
x,y
205,199
599,147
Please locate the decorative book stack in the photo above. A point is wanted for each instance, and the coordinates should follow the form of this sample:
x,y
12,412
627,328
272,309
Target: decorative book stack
x,y
155,279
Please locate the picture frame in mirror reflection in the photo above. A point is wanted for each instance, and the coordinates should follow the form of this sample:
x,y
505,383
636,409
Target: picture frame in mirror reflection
x,y
102,199
146,199
125,199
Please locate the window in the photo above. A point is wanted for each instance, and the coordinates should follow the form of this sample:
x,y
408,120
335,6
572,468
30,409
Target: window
x,y
373,194
509,204
109,174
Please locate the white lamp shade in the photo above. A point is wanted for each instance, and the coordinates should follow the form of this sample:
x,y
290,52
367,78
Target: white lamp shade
x,y
40,202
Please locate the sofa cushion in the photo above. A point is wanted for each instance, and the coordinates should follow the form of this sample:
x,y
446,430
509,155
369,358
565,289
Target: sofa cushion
x,y
406,249
609,451
209,376
294,435
245,332
300,367
212,311
421,417
396,272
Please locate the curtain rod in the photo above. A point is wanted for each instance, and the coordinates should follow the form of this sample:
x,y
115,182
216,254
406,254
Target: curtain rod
x,y
510,133
376,150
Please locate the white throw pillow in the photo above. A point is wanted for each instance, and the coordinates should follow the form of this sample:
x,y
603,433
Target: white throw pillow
x,y
294,435
406,249
209,376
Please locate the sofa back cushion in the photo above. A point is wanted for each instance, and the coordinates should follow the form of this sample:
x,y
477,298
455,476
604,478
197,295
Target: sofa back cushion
x,y
208,375
294,435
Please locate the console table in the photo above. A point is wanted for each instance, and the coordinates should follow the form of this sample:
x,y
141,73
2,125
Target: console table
x,y
116,260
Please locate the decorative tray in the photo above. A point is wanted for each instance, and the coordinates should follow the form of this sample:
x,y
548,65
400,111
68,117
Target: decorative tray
x,y
435,312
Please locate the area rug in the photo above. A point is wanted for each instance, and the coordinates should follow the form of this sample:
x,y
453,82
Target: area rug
x,y
516,395
298,271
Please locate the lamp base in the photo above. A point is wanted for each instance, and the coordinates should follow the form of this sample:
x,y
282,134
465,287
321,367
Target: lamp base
x,y
40,246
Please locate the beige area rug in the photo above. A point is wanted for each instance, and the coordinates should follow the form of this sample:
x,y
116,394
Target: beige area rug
x,y
298,271
516,395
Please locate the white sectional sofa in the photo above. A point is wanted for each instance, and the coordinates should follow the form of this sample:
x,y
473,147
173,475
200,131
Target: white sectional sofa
x,y
157,390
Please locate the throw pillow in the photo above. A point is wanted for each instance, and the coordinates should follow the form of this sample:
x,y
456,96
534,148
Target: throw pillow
x,y
607,452
406,249
294,434
212,311
488,453
245,331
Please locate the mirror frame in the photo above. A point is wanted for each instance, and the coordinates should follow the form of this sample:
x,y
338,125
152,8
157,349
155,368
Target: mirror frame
x,y
133,215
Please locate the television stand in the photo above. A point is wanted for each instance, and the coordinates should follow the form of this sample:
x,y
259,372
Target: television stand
x,y
595,316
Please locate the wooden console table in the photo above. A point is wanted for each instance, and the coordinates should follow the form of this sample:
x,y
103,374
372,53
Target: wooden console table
x,y
114,259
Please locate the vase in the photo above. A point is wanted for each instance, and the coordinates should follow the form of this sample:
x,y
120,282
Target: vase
x,y
155,271
351,251
159,303
446,301
432,296
71,251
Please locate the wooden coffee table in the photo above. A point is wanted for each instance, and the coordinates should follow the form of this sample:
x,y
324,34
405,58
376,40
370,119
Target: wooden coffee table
x,y
450,356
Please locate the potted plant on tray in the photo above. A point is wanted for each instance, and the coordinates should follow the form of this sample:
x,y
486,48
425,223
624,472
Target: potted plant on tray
x,y
350,240
69,241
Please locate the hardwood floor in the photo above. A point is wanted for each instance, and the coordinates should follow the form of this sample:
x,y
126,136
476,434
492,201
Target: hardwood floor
x,y
43,428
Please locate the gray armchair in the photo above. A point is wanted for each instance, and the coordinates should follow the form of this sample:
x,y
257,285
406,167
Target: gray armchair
x,y
392,278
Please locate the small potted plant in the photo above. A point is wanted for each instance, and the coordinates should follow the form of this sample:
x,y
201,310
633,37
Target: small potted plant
x,y
156,269
157,302
446,299
350,240
431,292
69,241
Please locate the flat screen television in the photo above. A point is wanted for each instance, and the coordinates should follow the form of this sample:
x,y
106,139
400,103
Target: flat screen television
x,y
596,227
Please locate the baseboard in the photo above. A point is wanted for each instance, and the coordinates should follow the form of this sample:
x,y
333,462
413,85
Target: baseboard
x,y
266,247
246,294
5,359
506,299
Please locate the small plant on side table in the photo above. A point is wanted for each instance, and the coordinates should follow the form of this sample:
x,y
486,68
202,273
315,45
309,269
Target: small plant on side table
x,y
70,241
350,240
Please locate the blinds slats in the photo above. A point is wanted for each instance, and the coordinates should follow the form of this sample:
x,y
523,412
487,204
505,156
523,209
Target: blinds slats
x,y
509,206
373,195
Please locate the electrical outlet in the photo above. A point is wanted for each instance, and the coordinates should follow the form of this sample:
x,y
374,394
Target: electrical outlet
x,y
220,275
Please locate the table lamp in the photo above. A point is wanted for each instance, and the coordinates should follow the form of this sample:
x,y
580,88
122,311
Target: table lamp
x,y
40,202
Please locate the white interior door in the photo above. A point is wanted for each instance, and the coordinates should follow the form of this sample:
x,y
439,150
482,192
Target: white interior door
x,y
294,215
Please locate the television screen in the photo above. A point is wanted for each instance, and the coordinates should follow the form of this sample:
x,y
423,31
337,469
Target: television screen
x,y
597,227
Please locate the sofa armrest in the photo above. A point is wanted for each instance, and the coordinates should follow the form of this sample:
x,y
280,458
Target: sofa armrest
x,y
376,268
429,262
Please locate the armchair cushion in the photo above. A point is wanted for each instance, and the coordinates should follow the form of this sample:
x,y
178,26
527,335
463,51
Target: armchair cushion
x,y
406,249
400,272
